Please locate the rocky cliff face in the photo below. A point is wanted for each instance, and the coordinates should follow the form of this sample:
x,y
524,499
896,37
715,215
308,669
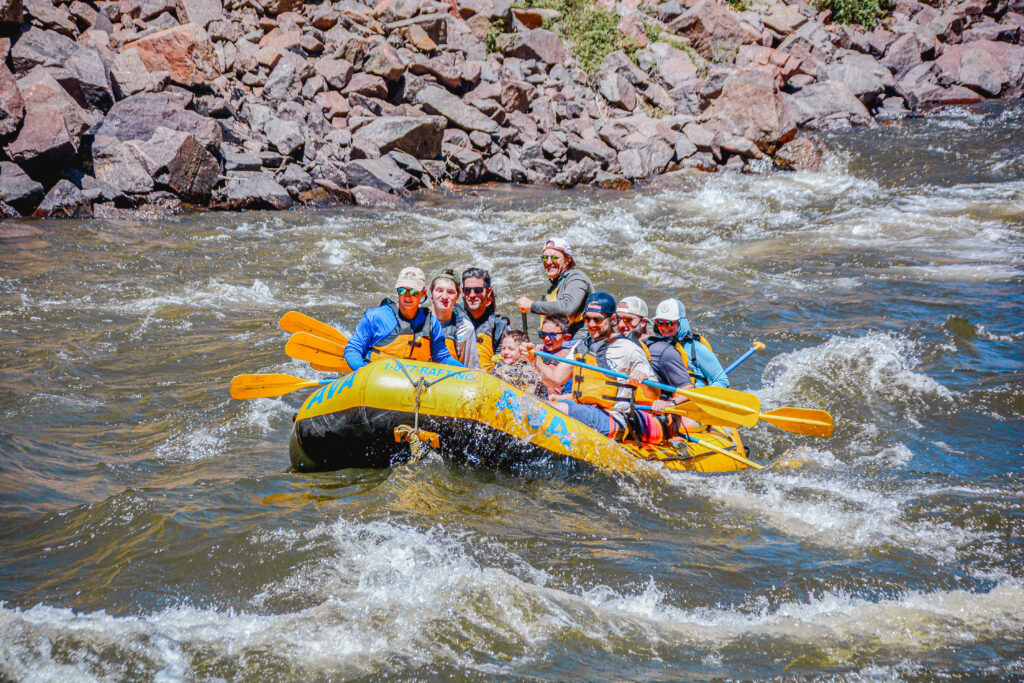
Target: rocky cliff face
x,y
122,107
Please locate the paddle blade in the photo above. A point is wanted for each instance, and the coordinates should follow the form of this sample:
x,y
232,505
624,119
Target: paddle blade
x,y
265,386
801,421
293,321
736,407
324,353
693,411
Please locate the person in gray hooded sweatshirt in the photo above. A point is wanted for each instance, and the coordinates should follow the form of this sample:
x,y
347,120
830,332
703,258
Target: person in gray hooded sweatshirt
x,y
701,362
569,287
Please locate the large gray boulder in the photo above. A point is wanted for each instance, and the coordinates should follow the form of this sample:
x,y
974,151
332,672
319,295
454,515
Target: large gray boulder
x,y
420,136
255,190
138,117
711,28
37,47
383,174
17,189
827,105
179,161
117,164
439,101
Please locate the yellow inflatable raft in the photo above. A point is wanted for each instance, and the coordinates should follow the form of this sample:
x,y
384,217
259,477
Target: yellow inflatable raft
x,y
358,421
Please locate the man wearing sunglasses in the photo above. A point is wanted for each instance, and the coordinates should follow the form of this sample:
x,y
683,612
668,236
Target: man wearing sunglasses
x,y
632,315
599,400
400,330
569,286
479,304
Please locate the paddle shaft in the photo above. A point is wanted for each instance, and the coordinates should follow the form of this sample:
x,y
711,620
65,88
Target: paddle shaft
x,y
610,373
750,352
735,456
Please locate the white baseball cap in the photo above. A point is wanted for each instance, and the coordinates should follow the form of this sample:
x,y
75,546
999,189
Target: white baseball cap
x,y
559,244
671,310
633,305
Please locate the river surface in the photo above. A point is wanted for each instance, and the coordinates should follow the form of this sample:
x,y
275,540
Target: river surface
x,y
150,530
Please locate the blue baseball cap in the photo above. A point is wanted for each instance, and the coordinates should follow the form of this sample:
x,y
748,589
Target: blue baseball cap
x,y
599,302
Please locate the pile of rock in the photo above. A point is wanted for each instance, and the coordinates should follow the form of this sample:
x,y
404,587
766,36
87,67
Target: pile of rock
x,y
114,106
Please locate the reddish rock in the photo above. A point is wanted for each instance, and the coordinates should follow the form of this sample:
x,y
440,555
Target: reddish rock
x,y
989,67
751,100
632,27
827,105
618,91
64,200
903,54
537,44
757,55
712,27
801,154
179,161
44,138
927,96
335,72
367,84
41,90
12,104
185,52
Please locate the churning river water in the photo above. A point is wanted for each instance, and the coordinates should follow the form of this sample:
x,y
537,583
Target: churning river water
x,y
149,529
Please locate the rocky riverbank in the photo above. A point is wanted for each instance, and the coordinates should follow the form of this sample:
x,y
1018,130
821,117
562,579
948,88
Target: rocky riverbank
x,y
139,107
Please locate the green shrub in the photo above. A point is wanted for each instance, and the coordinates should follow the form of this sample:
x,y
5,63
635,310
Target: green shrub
x,y
491,39
863,12
591,32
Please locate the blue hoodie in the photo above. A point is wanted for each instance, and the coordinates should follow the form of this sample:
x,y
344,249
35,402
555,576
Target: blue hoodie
x,y
707,370
377,323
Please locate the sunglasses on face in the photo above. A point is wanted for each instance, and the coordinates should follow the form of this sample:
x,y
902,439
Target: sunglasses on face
x,y
594,319
474,290
664,323
550,259
402,291
549,335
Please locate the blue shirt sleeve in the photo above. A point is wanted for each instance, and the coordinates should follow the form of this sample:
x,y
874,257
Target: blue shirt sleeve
x,y
374,326
438,349
712,368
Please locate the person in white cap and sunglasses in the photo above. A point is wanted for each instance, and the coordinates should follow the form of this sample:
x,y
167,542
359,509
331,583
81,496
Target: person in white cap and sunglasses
x,y
632,315
569,286
702,365
400,330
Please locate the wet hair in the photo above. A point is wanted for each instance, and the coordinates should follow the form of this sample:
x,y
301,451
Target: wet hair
x,y
477,273
561,321
447,274
517,336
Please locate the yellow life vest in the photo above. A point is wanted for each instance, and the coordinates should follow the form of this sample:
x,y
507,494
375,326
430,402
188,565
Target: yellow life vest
x,y
404,341
596,388
489,332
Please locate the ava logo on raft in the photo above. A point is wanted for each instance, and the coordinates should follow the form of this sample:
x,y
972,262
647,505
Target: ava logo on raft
x,y
535,418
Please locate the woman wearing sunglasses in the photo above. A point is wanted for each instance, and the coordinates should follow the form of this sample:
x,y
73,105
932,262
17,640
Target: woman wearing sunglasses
x,y
569,286
400,330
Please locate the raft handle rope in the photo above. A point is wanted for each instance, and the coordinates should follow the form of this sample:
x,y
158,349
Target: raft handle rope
x,y
420,385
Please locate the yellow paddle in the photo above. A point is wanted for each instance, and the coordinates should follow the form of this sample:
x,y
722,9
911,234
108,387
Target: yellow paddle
x,y
323,354
736,407
265,386
735,456
796,420
293,321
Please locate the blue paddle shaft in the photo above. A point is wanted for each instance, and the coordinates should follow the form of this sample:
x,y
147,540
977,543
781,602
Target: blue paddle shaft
x,y
612,373
735,364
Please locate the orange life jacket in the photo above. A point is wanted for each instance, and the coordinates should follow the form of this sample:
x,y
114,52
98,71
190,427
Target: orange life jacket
x,y
405,341
680,345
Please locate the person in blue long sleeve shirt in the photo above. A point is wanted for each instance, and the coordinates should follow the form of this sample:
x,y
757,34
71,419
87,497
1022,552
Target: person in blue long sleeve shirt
x,y
400,330
705,368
